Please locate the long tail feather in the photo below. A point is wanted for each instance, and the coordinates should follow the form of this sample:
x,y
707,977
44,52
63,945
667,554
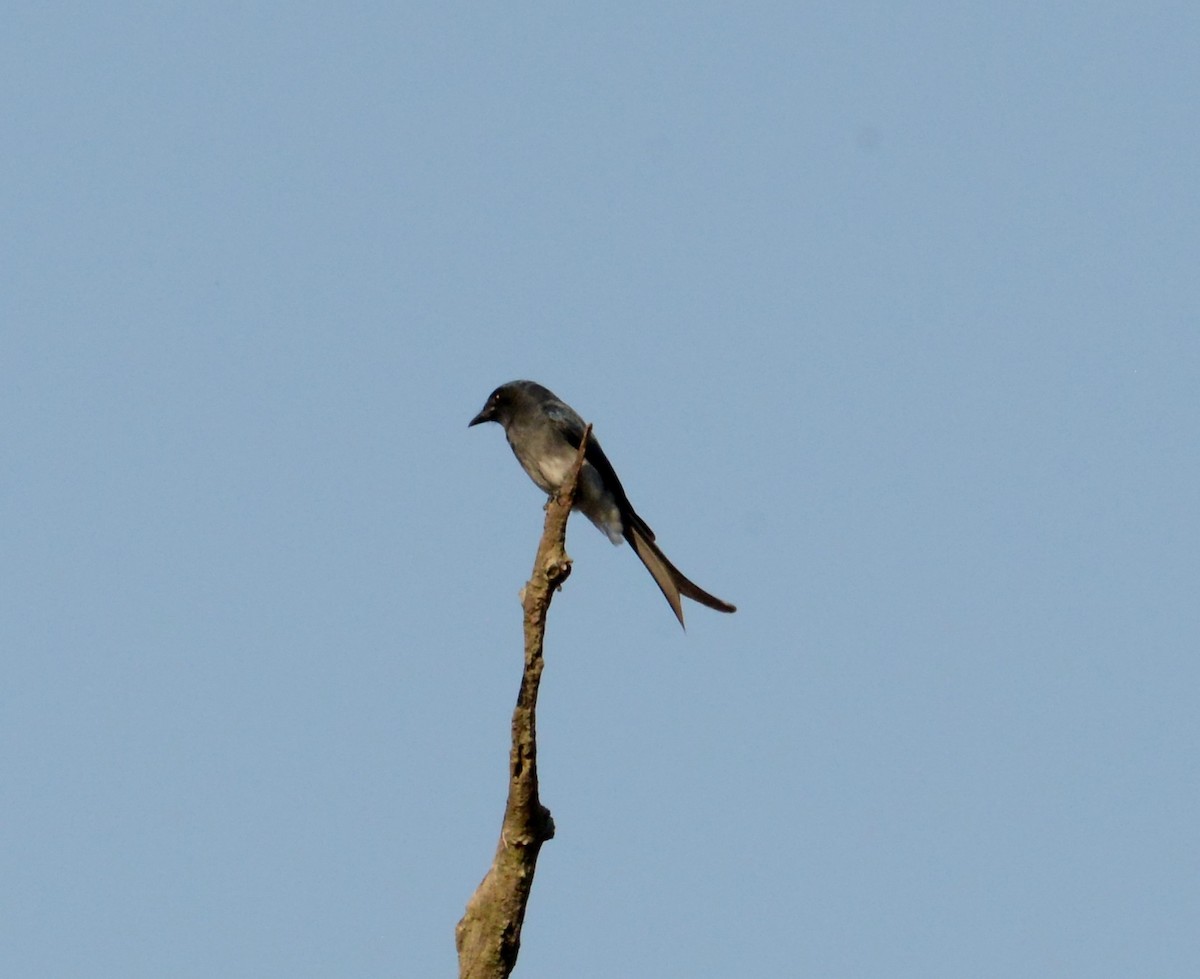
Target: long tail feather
x,y
670,579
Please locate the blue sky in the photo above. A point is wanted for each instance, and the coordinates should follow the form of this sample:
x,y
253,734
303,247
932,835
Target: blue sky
x,y
889,318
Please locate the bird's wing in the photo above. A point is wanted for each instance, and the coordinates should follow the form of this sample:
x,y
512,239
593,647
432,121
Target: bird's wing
x,y
572,428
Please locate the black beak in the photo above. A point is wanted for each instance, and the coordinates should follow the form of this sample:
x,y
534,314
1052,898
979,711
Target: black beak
x,y
483,416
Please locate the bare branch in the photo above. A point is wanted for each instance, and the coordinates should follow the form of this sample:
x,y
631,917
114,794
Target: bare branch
x,y
488,937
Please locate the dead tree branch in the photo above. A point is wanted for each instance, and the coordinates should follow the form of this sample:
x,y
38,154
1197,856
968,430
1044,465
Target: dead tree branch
x,y
488,937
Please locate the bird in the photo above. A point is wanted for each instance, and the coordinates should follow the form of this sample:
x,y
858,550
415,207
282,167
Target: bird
x,y
544,433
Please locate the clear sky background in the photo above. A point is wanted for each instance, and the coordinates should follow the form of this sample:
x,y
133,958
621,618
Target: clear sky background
x,y
889,317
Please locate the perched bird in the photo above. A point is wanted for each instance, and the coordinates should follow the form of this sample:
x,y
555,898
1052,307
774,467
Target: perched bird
x,y
545,433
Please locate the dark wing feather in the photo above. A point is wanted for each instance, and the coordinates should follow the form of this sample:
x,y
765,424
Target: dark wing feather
x,y
572,428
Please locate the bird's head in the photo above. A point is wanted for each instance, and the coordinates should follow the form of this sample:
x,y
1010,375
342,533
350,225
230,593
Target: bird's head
x,y
499,405
509,400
